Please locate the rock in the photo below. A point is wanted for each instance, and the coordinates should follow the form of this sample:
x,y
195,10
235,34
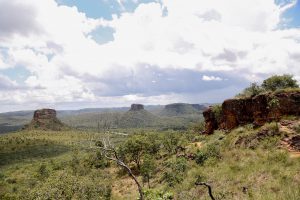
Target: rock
x,y
136,107
257,110
44,114
210,121
45,119
294,142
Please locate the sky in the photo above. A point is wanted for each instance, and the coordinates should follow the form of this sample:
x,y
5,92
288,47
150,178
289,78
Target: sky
x,y
72,54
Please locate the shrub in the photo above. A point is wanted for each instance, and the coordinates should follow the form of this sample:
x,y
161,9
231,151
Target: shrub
x,y
253,90
279,82
175,171
210,151
201,157
217,110
152,194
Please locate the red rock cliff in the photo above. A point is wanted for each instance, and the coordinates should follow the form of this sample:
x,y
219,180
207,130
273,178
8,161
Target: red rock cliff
x,y
257,110
45,119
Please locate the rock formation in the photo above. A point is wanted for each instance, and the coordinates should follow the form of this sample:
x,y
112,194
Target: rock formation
x,y
136,107
257,110
137,117
45,119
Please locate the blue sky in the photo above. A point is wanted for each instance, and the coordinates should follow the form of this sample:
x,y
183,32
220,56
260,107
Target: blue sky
x,y
69,54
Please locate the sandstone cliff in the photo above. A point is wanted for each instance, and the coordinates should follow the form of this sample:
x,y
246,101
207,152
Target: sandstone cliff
x,y
257,110
45,119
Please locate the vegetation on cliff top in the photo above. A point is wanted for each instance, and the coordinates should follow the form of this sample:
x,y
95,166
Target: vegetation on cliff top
x,y
276,83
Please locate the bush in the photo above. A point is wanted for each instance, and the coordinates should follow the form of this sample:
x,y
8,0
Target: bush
x,y
273,84
210,151
158,195
253,90
201,157
279,82
175,171
217,110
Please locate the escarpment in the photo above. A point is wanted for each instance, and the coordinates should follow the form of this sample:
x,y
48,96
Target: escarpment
x,y
257,110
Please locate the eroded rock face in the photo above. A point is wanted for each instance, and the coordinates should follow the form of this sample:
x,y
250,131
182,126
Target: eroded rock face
x,y
136,107
210,121
257,110
44,114
45,119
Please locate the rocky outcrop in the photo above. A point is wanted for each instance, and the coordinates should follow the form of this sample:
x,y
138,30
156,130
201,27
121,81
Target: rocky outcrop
x,y
210,121
257,110
45,119
136,107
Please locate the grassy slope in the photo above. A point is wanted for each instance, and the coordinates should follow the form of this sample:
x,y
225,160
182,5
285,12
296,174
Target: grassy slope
x,y
250,170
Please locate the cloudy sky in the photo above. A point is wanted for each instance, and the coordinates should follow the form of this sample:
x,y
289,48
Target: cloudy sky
x,y
69,54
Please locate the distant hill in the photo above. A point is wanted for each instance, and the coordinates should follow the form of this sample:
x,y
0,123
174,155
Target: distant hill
x,y
138,117
177,115
181,109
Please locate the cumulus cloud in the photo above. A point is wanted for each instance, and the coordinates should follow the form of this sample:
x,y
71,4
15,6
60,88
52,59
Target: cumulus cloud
x,y
161,50
17,18
6,83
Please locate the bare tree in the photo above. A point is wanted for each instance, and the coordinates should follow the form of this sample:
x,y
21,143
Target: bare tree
x,y
110,153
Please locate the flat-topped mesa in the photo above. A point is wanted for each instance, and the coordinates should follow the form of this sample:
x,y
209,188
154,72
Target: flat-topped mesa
x,y
136,107
257,110
45,119
42,114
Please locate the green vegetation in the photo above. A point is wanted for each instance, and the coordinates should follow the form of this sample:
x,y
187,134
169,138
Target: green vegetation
x,y
276,84
246,163
279,82
217,110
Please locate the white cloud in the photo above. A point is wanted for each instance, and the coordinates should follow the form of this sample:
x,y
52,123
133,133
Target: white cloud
x,y
237,37
211,78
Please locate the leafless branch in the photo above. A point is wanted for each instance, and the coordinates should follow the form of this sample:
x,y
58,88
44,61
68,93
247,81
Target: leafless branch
x,y
208,187
110,153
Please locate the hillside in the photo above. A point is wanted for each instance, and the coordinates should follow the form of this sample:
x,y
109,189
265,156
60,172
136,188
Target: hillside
x,y
245,163
182,109
138,119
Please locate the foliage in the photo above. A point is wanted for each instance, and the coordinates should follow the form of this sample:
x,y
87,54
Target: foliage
x,y
273,103
210,151
137,146
279,82
217,110
61,165
152,194
175,171
148,168
276,83
170,142
253,90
